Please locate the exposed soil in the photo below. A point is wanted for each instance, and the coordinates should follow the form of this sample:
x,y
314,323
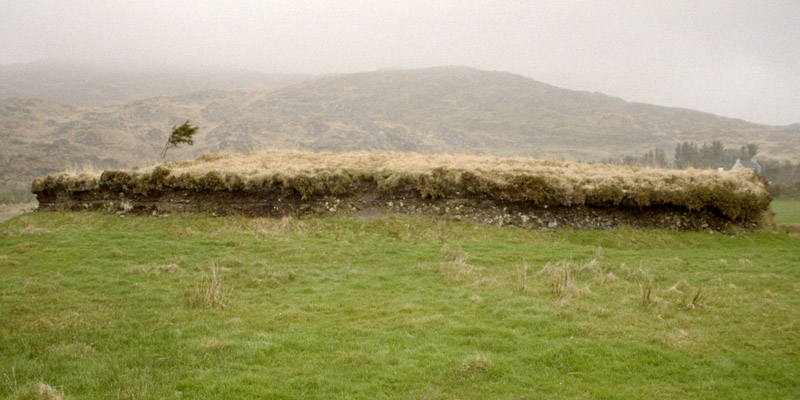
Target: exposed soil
x,y
367,202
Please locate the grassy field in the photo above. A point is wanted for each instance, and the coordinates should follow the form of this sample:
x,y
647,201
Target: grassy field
x,y
787,210
191,306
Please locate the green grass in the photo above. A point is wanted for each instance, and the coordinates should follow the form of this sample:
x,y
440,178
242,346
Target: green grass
x,y
787,210
190,306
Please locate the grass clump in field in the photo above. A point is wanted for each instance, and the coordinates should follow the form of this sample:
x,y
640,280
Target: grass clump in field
x,y
397,307
208,292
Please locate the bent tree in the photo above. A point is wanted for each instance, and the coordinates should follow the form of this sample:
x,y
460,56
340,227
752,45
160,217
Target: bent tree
x,y
180,134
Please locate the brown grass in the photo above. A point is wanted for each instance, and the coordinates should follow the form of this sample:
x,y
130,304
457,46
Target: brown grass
x,y
738,195
209,292
28,228
522,278
43,391
475,364
155,269
696,300
647,294
455,268
562,276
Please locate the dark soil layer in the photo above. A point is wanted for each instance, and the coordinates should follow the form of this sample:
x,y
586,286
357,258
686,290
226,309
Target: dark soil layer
x,y
367,201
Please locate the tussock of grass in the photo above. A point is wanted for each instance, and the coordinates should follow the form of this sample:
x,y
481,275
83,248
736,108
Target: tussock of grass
x,y
696,300
562,278
475,364
455,268
647,294
209,291
155,269
522,278
29,229
738,195
42,391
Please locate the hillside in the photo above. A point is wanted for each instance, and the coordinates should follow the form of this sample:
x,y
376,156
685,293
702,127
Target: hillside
x,y
437,110
91,86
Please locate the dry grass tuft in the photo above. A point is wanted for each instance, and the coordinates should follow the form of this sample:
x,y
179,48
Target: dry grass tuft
x,y
608,278
680,287
213,345
563,283
43,391
522,278
208,292
269,227
679,339
647,298
456,268
155,270
475,364
29,229
562,275
696,300
86,169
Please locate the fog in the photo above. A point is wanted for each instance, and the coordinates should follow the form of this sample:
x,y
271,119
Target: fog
x,y
734,58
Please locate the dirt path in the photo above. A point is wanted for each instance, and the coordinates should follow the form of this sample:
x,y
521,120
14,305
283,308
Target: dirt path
x,y
8,211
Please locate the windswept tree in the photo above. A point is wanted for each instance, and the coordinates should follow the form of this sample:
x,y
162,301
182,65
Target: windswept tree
x,y
180,134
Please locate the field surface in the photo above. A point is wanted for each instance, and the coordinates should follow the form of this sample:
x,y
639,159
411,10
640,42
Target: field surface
x,y
97,306
787,210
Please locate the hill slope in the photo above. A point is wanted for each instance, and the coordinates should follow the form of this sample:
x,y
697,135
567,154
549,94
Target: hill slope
x,y
91,86
452,110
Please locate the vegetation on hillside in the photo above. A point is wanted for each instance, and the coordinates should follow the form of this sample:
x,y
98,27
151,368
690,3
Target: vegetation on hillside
x,y
783,176
437,110
16,195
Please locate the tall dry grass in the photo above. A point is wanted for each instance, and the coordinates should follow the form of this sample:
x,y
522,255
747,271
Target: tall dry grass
x,y
738,195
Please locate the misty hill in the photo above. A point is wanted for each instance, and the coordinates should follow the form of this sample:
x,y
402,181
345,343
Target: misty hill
x,y
90,86
441,110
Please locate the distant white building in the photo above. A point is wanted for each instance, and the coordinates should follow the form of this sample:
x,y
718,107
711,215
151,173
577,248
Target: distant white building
x,y
752,164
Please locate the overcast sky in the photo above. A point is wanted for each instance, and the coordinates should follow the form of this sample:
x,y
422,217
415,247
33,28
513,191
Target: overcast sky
x,y
735,58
